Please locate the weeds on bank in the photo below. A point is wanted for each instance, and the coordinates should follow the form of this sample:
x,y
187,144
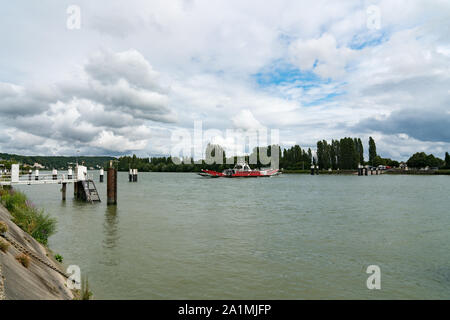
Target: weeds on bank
x,y
58,258
23,259
3,227
30,219
4,245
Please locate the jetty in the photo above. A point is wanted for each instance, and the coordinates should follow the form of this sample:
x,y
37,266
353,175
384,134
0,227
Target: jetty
x,y
84,186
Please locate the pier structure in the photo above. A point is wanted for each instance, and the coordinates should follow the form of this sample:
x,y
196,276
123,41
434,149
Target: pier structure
x,y
84,187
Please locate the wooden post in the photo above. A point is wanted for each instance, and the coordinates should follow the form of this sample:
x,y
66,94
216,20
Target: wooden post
x,y
36,175
54,174
312,170
63,190
130,175
69,174
317,170
101,174
111,185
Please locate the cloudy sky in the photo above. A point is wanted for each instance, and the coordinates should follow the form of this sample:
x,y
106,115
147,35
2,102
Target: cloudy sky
x,y
137,70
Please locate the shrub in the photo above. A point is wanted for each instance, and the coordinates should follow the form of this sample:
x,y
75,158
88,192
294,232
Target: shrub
x,y
24,260
4,245
59,258
30,219
86,294
3,227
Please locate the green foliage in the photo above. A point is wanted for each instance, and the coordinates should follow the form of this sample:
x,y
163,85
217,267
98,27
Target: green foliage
x,y
3,227
57,162
58,258
30,219
447,161
372,151
422,160
86,294
4,245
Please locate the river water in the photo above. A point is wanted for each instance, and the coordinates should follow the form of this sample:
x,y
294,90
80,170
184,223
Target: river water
x,y
181,236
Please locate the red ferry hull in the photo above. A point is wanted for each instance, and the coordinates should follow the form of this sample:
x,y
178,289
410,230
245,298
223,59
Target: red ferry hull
x,y
240,174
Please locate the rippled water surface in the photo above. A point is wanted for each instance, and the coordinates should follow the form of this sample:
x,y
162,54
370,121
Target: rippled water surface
x,y
180,236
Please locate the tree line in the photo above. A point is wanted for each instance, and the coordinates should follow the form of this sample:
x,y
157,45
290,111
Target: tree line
x,y
345,154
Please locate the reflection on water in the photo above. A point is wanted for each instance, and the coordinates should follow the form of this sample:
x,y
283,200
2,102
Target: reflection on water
x,y
111,236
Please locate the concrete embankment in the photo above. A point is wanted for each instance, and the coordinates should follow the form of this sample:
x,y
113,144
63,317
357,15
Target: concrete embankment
x,y
38,281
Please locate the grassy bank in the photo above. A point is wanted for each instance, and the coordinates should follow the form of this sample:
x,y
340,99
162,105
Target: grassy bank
x,y
30,219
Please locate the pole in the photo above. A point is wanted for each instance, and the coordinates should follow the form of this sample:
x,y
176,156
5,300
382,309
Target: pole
x,y
111,185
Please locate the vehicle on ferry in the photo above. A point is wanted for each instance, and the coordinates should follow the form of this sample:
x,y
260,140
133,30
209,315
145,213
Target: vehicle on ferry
x,y
241,170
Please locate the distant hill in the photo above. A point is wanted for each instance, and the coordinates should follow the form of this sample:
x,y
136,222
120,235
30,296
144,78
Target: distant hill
x,y
57,162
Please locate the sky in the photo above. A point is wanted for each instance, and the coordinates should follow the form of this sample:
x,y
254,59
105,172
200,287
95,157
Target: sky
x,y
131,72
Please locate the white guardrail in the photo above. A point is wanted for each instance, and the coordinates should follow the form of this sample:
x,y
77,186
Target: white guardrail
x,y
35,177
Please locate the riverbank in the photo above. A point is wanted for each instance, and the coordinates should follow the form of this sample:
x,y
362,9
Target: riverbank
x,y
396,172
28,270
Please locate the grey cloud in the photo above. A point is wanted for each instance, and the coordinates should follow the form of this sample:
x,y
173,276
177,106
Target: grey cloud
x,y
424,125
17,101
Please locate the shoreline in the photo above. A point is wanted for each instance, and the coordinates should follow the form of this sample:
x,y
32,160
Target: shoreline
x,y
38,276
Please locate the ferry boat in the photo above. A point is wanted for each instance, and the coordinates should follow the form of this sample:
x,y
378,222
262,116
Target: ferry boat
x,y
241,169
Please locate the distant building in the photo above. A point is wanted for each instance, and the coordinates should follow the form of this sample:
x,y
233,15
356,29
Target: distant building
x,y
38,166
403,166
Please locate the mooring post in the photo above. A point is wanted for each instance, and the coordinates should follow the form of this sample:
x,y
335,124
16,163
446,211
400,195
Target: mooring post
x,y
317,170
376,171
55,174
135,175
130,175
101,174
111,185
36,175
366,171
29,174
312,170
69,174
63,190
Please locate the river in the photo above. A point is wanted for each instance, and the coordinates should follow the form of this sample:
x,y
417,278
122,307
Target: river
x,y
181,236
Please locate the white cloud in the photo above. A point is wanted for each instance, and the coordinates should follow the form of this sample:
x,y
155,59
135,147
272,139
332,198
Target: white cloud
x,y
196,60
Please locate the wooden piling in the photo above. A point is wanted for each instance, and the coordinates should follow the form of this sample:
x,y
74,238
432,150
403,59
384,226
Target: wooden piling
x,y
111,185
130,175
101,174
312,170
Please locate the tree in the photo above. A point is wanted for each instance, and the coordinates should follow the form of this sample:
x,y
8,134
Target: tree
x,y
361,151
372,151
422,160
